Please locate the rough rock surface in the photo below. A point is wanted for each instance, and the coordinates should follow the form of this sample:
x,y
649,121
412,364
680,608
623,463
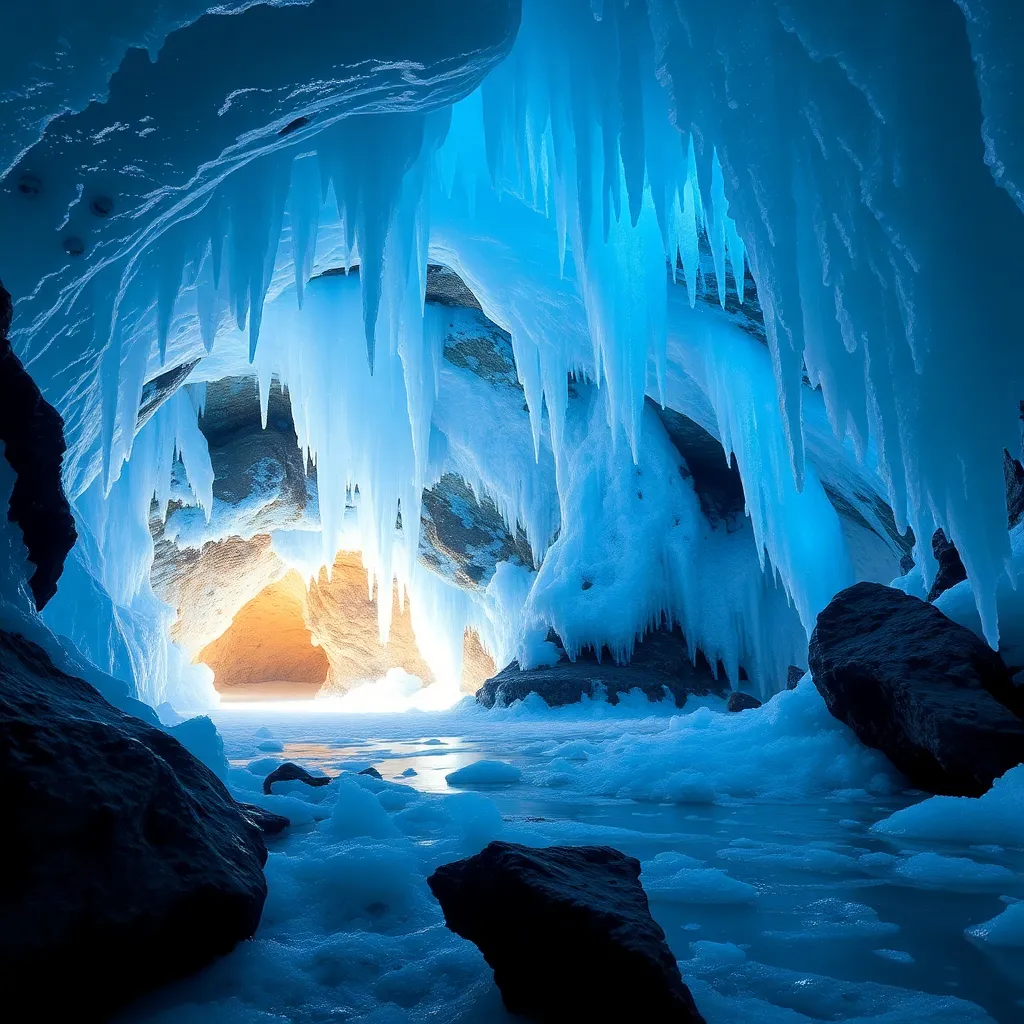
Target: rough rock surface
x,y
269,645
127,862
463,538
716,479
568,933
951,569
32,439
740,701
292,772
793,676
660,662
209,586
159,389
343,622
1013,474
269,823
928,693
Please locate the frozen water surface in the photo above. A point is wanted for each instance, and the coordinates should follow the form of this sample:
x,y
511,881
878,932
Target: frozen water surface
x,y
778,895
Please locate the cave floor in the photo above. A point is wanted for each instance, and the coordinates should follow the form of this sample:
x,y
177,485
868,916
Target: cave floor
x,y
780,903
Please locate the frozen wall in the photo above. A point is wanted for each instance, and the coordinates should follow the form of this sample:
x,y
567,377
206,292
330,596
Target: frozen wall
x,y
860,159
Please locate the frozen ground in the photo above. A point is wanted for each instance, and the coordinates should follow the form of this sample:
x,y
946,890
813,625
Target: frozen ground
x,y
782,900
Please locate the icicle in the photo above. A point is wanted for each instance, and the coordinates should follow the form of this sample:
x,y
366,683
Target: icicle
x,y
304,213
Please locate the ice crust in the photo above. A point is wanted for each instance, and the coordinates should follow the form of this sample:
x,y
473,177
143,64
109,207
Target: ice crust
x,y
765,938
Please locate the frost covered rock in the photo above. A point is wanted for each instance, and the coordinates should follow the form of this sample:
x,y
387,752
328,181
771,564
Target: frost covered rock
x,y
568,933
660,666
32,436
463,538
129,864
157,390
928,693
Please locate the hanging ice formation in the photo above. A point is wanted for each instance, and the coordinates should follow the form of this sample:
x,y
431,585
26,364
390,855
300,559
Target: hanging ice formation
x,y
571,191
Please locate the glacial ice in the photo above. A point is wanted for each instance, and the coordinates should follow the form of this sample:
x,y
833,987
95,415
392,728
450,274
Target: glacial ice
x,y
559,189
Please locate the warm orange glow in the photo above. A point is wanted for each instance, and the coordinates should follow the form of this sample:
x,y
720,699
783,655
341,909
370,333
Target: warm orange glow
x,y
267,652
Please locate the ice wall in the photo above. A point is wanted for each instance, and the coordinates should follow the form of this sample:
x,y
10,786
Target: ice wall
x,y
861,159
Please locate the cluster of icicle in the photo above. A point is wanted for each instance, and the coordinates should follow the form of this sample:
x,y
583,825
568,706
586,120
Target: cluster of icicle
x,y
560,190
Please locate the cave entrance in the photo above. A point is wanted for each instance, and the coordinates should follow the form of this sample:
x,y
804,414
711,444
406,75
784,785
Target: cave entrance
x,y
268,653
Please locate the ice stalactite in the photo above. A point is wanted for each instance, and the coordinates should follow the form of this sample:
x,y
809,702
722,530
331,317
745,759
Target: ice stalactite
x,y
573,192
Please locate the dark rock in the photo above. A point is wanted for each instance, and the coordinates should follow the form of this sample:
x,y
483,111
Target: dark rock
x,y
446,288
740,701
159,389
269,823
372,772
126,862
951,570
568,933
463,538
794,675
291,772
660,662
32,436
928,693
716,478
1013,473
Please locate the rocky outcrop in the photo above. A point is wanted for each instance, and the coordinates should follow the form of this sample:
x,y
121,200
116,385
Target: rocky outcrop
x,y
446,288
291,772
716,479
267,652
462,538
660,664
567,932
261,478
267,822
1013,476
950,570
32,436
928,693
208,586
343,623
156,391
127,862
740,701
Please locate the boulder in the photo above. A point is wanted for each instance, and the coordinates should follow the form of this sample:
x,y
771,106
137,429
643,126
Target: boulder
x,y
291,772
740,701
660,664
127,862
928,693
32,440
567,932
269,823
372,772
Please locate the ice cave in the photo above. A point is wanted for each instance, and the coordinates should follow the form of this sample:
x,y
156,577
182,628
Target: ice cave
x,y
515,511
